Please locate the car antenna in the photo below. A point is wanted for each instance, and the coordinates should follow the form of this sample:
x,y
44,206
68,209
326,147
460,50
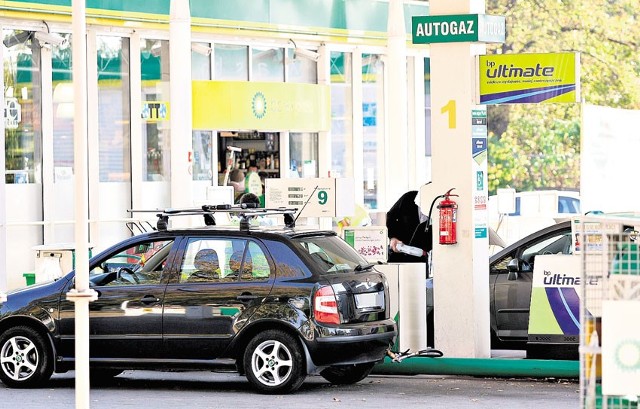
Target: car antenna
x,y
292,223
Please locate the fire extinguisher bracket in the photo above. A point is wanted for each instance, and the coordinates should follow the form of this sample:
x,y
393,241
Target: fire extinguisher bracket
x,y
448,219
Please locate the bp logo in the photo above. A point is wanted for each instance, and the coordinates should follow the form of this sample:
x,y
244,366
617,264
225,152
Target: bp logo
x,y
259,105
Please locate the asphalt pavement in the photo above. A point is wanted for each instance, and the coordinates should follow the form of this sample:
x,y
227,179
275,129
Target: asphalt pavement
x,y
177,390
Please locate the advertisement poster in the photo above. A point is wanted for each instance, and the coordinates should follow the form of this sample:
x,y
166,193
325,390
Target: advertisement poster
x,y
555,298
370,242
620,348
529,78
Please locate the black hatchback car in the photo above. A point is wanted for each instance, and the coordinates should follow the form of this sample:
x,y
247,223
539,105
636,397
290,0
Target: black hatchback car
x,y
276,304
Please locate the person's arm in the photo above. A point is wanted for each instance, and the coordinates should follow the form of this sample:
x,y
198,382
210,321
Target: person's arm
x,y
394,220
393,243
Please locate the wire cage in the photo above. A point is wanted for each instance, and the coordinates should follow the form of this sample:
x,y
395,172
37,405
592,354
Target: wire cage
x,y
609,246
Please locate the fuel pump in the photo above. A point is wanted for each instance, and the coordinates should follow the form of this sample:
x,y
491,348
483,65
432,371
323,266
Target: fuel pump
x,y
448,209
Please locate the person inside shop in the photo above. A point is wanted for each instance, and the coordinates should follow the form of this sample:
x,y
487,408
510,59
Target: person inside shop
x,y
236,179
407,224
263,177
251,199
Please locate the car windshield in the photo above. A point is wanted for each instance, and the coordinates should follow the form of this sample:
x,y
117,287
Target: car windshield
x,y
332,254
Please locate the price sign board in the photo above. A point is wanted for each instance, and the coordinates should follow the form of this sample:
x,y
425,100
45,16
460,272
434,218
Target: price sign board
x,y
314,197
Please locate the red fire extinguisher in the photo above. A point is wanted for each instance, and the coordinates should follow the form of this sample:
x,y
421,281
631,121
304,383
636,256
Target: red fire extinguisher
x,y
448,219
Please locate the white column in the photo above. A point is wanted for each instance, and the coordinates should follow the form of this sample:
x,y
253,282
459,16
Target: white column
x,y
180,103
3,200
396,153
461,278
81,295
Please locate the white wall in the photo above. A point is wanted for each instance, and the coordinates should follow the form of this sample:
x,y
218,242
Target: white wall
x,y
608,163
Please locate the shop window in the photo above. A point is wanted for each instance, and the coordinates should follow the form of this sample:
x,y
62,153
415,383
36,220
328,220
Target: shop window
x,y
231,62
200,61
113,109
23,106
341,115
202,160
267,64
63,110
373,126
303,155
301,69
154,56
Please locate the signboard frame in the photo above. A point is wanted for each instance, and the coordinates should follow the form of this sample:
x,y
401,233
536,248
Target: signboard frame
x,y
458,28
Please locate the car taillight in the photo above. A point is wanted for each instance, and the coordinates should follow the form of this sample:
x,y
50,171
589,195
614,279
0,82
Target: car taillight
x,y
325,306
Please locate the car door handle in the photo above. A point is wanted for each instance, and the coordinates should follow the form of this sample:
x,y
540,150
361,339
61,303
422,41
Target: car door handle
x,y
246,297
149,299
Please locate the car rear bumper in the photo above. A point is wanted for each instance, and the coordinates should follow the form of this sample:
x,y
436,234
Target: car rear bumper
x,y
345,345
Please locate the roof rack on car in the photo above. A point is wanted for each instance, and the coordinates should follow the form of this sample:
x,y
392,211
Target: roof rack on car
x,y
245,211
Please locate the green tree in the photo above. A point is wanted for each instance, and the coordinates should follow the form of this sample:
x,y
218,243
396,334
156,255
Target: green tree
x,y
538,146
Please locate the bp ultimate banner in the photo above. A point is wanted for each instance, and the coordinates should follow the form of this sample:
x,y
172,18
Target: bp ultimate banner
x,y
528,78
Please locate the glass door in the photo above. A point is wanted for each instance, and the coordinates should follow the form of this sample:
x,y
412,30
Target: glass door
x,y
114,138
23,149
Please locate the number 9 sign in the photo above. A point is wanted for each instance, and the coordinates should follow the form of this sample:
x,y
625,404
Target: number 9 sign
x,y
323,196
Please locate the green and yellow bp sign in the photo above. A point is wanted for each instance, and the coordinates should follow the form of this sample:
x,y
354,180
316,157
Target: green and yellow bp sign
x,y
529,78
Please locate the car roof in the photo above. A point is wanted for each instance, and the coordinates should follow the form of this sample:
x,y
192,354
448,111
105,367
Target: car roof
x,y
232,230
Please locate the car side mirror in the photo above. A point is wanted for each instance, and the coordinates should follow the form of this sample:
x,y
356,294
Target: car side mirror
x,y
513,266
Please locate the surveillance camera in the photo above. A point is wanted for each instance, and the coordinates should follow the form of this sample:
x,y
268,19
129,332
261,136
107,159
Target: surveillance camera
x,y
17,38
49,38
200,49
308,54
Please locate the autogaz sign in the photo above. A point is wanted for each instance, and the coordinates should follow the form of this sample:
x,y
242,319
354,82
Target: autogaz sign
x,y
458,28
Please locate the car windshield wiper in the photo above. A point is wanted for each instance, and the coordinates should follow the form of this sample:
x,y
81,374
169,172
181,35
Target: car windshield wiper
x,y
363,267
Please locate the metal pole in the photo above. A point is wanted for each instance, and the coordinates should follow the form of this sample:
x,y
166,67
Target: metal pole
x,y
180,103
81,295
3,204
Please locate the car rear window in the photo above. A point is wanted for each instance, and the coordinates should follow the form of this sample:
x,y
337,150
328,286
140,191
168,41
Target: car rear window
x,y
330,254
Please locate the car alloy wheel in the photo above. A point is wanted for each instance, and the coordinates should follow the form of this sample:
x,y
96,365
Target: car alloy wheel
x,y
271,362
274,363
24,359
19,358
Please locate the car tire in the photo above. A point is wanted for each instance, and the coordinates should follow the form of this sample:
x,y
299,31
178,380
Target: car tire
x,y
274,363
347,374
25,358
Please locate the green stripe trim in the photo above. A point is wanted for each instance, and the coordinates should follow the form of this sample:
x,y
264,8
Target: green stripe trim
x,y
356,15
535,368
